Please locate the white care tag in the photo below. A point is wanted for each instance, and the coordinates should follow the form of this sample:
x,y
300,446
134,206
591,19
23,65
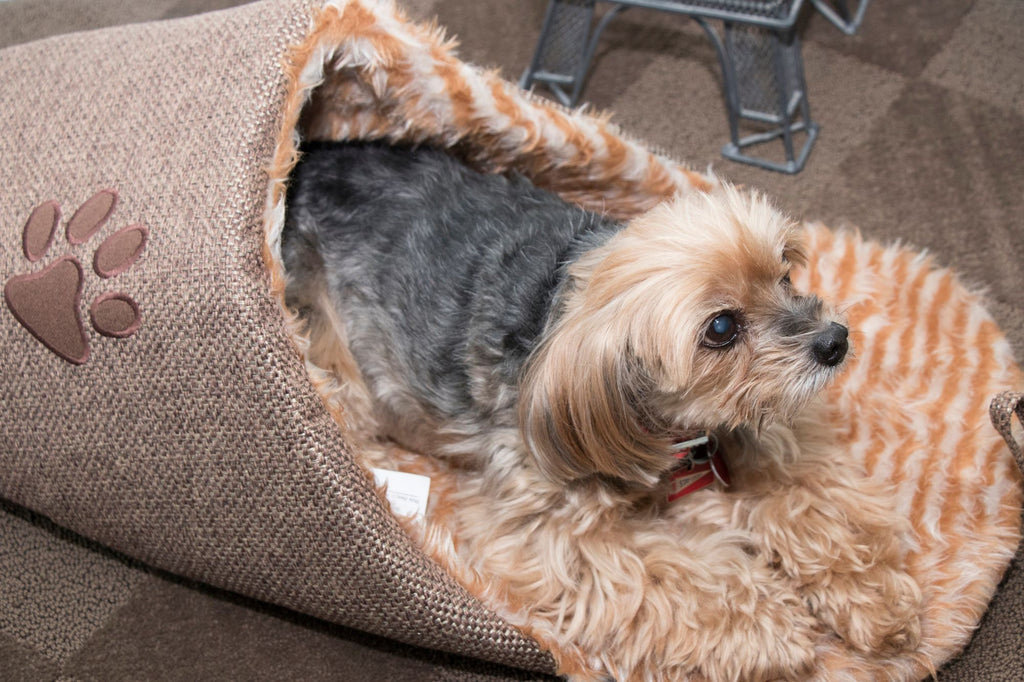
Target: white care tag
x,y
407,493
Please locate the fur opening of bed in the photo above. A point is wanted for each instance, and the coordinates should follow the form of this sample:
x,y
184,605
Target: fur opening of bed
x,y
365,72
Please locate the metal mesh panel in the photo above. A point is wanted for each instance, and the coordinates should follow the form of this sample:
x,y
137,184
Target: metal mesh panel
x,y
751,50
792,63
759,76
565,40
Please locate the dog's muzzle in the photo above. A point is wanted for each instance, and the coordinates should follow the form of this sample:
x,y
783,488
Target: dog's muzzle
x,y
830,346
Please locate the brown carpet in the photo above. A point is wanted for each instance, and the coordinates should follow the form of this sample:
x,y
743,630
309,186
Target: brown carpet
x,y
922,119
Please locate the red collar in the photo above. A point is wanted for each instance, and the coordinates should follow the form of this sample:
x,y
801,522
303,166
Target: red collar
x,y
699,464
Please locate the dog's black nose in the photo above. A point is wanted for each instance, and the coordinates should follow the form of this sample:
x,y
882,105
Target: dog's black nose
x,y
829,347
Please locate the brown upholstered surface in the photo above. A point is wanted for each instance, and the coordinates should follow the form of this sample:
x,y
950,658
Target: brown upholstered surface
x,y
181,118
922,114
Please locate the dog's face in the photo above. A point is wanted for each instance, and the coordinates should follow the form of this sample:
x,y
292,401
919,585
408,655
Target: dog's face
x,y
684,321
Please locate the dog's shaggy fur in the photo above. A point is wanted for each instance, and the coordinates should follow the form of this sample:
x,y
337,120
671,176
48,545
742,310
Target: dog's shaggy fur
x,y
554,357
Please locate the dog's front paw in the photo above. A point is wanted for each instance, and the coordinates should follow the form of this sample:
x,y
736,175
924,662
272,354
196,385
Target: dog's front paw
x,y
877,611
775,641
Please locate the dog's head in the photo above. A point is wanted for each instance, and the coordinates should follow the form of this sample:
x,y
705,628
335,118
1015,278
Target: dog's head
x,y
686,320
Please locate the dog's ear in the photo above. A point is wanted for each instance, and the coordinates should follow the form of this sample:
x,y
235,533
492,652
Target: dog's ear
x,y
581,408
795,249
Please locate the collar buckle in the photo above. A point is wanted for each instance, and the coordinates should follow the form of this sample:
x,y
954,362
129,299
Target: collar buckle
x,y
699,465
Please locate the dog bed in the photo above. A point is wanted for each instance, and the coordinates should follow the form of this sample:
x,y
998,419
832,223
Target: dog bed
x,y
155,394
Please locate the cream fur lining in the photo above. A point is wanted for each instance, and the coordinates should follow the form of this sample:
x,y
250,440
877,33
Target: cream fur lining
x,y
912,408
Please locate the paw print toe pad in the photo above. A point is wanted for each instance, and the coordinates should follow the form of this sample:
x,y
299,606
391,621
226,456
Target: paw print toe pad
x,y
40,229
91,216
119,251
115,314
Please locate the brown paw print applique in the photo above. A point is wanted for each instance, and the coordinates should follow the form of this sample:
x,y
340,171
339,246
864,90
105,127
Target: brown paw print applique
x,y
48,302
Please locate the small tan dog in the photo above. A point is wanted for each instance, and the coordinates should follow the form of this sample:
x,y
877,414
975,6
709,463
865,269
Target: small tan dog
x,y
556,359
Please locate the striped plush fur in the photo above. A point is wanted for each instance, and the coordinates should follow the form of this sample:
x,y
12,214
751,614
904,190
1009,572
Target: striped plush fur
x,y
911,408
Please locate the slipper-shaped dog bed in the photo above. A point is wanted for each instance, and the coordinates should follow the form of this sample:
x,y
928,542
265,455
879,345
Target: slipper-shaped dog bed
x,y
155,393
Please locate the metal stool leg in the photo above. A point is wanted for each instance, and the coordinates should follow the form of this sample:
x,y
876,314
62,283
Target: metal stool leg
x,y
763,78
761,60
840,16
560,59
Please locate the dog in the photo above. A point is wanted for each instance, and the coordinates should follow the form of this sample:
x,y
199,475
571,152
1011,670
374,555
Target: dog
x,y
556,359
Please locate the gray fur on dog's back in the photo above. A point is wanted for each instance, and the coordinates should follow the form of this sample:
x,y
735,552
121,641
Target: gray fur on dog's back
x,y
443,276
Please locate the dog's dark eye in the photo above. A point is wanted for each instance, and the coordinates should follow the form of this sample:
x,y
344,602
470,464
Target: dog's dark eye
x,y
722,330
787,282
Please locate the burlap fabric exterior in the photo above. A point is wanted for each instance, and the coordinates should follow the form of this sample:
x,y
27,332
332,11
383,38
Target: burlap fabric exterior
x,y
196,444
1003,408
193,437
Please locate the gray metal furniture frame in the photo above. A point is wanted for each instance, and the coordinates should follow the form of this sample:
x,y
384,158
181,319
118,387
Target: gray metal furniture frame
x,y
758,50
841,16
